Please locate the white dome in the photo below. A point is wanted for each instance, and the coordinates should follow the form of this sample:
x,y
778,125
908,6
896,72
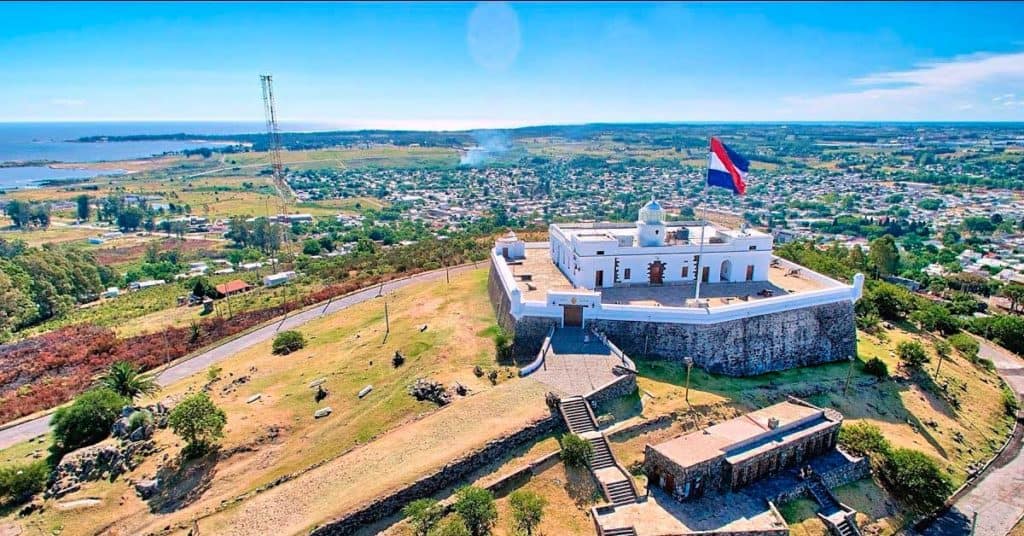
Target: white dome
x,y
652,212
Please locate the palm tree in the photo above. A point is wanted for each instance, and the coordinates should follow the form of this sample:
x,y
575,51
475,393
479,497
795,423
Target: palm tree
x,y
125,379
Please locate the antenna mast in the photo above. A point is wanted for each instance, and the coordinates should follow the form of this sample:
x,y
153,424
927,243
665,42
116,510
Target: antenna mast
x,y
274,143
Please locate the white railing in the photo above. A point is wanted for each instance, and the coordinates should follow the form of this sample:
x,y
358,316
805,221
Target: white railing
x,y
539,361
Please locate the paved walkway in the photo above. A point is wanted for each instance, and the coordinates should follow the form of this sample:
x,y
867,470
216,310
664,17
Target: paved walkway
x,y
998,497
38,426
575,365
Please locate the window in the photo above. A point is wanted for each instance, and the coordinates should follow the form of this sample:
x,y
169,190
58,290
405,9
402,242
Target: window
x,y
686,272
625,275
600,252
656,231
752,248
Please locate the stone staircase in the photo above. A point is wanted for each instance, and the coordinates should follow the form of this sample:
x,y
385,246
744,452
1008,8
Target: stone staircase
x,y
624,531
621,492
602,455
577,414
837,517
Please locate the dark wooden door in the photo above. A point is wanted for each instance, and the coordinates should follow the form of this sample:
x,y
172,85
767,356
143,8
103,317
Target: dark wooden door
x,y
572,316
657,272
599,279
750,272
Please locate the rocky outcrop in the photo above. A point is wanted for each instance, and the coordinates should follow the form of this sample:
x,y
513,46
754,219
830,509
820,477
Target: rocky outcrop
x,y
103,461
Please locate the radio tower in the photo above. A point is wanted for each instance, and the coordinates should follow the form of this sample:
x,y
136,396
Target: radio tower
x,y
274,143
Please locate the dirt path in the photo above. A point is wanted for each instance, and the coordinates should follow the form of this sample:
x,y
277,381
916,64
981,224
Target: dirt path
x,y
998,497
395,459
40,425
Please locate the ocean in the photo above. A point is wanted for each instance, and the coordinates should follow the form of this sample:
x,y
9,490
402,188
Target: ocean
x,y
50,141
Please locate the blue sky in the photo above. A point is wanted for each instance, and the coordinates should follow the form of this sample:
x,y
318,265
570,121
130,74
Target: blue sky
x,y
468,65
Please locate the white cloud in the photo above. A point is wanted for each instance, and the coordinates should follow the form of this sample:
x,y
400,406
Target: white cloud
x,y
928,91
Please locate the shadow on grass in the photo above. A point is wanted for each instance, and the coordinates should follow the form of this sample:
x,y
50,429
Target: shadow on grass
x,y
581,486
183,482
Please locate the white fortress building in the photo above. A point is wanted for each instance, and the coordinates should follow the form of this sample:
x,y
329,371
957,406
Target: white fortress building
x,y
656,252
635,283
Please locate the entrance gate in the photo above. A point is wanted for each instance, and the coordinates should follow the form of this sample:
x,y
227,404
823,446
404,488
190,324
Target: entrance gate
x,y
572,316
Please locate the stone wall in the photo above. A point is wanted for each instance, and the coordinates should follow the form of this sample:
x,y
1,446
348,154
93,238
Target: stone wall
x,y
744,347
528,333
624,385
451,474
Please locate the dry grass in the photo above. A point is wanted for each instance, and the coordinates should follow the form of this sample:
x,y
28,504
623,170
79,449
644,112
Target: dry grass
x,y
383,440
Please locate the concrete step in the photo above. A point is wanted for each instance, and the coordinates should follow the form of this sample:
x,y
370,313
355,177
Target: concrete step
x,y
622,531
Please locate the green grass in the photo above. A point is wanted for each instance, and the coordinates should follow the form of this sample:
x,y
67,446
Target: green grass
x,y
798,510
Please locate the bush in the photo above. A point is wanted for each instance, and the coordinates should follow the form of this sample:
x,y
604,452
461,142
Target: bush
x,y
287,342
423,514
965,344
1010,401
876,367
527,510
576,451
916,479
199,422
87,420
140,419
912,353
18,483
452,526
502,345
863,439
476,506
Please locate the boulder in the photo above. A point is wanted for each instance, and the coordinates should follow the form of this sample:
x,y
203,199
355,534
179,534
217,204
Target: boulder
x,y
147,488
322,412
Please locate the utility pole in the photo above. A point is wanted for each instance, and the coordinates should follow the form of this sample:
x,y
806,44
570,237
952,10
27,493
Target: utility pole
x,y
689,366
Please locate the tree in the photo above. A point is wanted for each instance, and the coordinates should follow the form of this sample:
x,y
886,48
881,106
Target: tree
x,y
83,208
884,256
936,318
287,342
130,219
863,439
311,247
966,345
201,287
912,353
199,422
1015,293
892,302
476,506
527,510
423,514
125,379
917,479
87,420
576,451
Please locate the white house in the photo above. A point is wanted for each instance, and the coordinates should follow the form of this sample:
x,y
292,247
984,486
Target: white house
x,y
279,278
655,252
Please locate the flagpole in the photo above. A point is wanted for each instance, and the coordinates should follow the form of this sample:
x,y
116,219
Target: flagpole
x,y
704,223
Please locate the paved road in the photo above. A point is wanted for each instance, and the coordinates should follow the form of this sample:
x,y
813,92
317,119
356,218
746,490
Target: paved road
x,y
998,498
40,425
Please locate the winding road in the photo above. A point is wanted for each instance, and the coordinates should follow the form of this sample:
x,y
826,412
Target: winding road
x,y
998,496
201,361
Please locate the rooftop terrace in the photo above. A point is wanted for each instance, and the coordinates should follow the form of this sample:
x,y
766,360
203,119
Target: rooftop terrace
x,y
784,278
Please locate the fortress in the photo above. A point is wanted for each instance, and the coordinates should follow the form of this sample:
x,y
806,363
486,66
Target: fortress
x,y
636,284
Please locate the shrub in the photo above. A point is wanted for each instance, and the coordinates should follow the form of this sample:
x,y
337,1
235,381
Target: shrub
x,y
493,376
476,506
863,439
199,422
965,344
18,483
87,420
213,373
527,510
917,479
423,514
287,342
140,419
876,367
502,344
1010,401
397,360
576,451
912,353
125,379
942,348
452,526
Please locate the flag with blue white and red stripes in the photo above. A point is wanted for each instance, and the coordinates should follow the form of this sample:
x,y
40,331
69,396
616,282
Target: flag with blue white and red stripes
x,y
726,168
